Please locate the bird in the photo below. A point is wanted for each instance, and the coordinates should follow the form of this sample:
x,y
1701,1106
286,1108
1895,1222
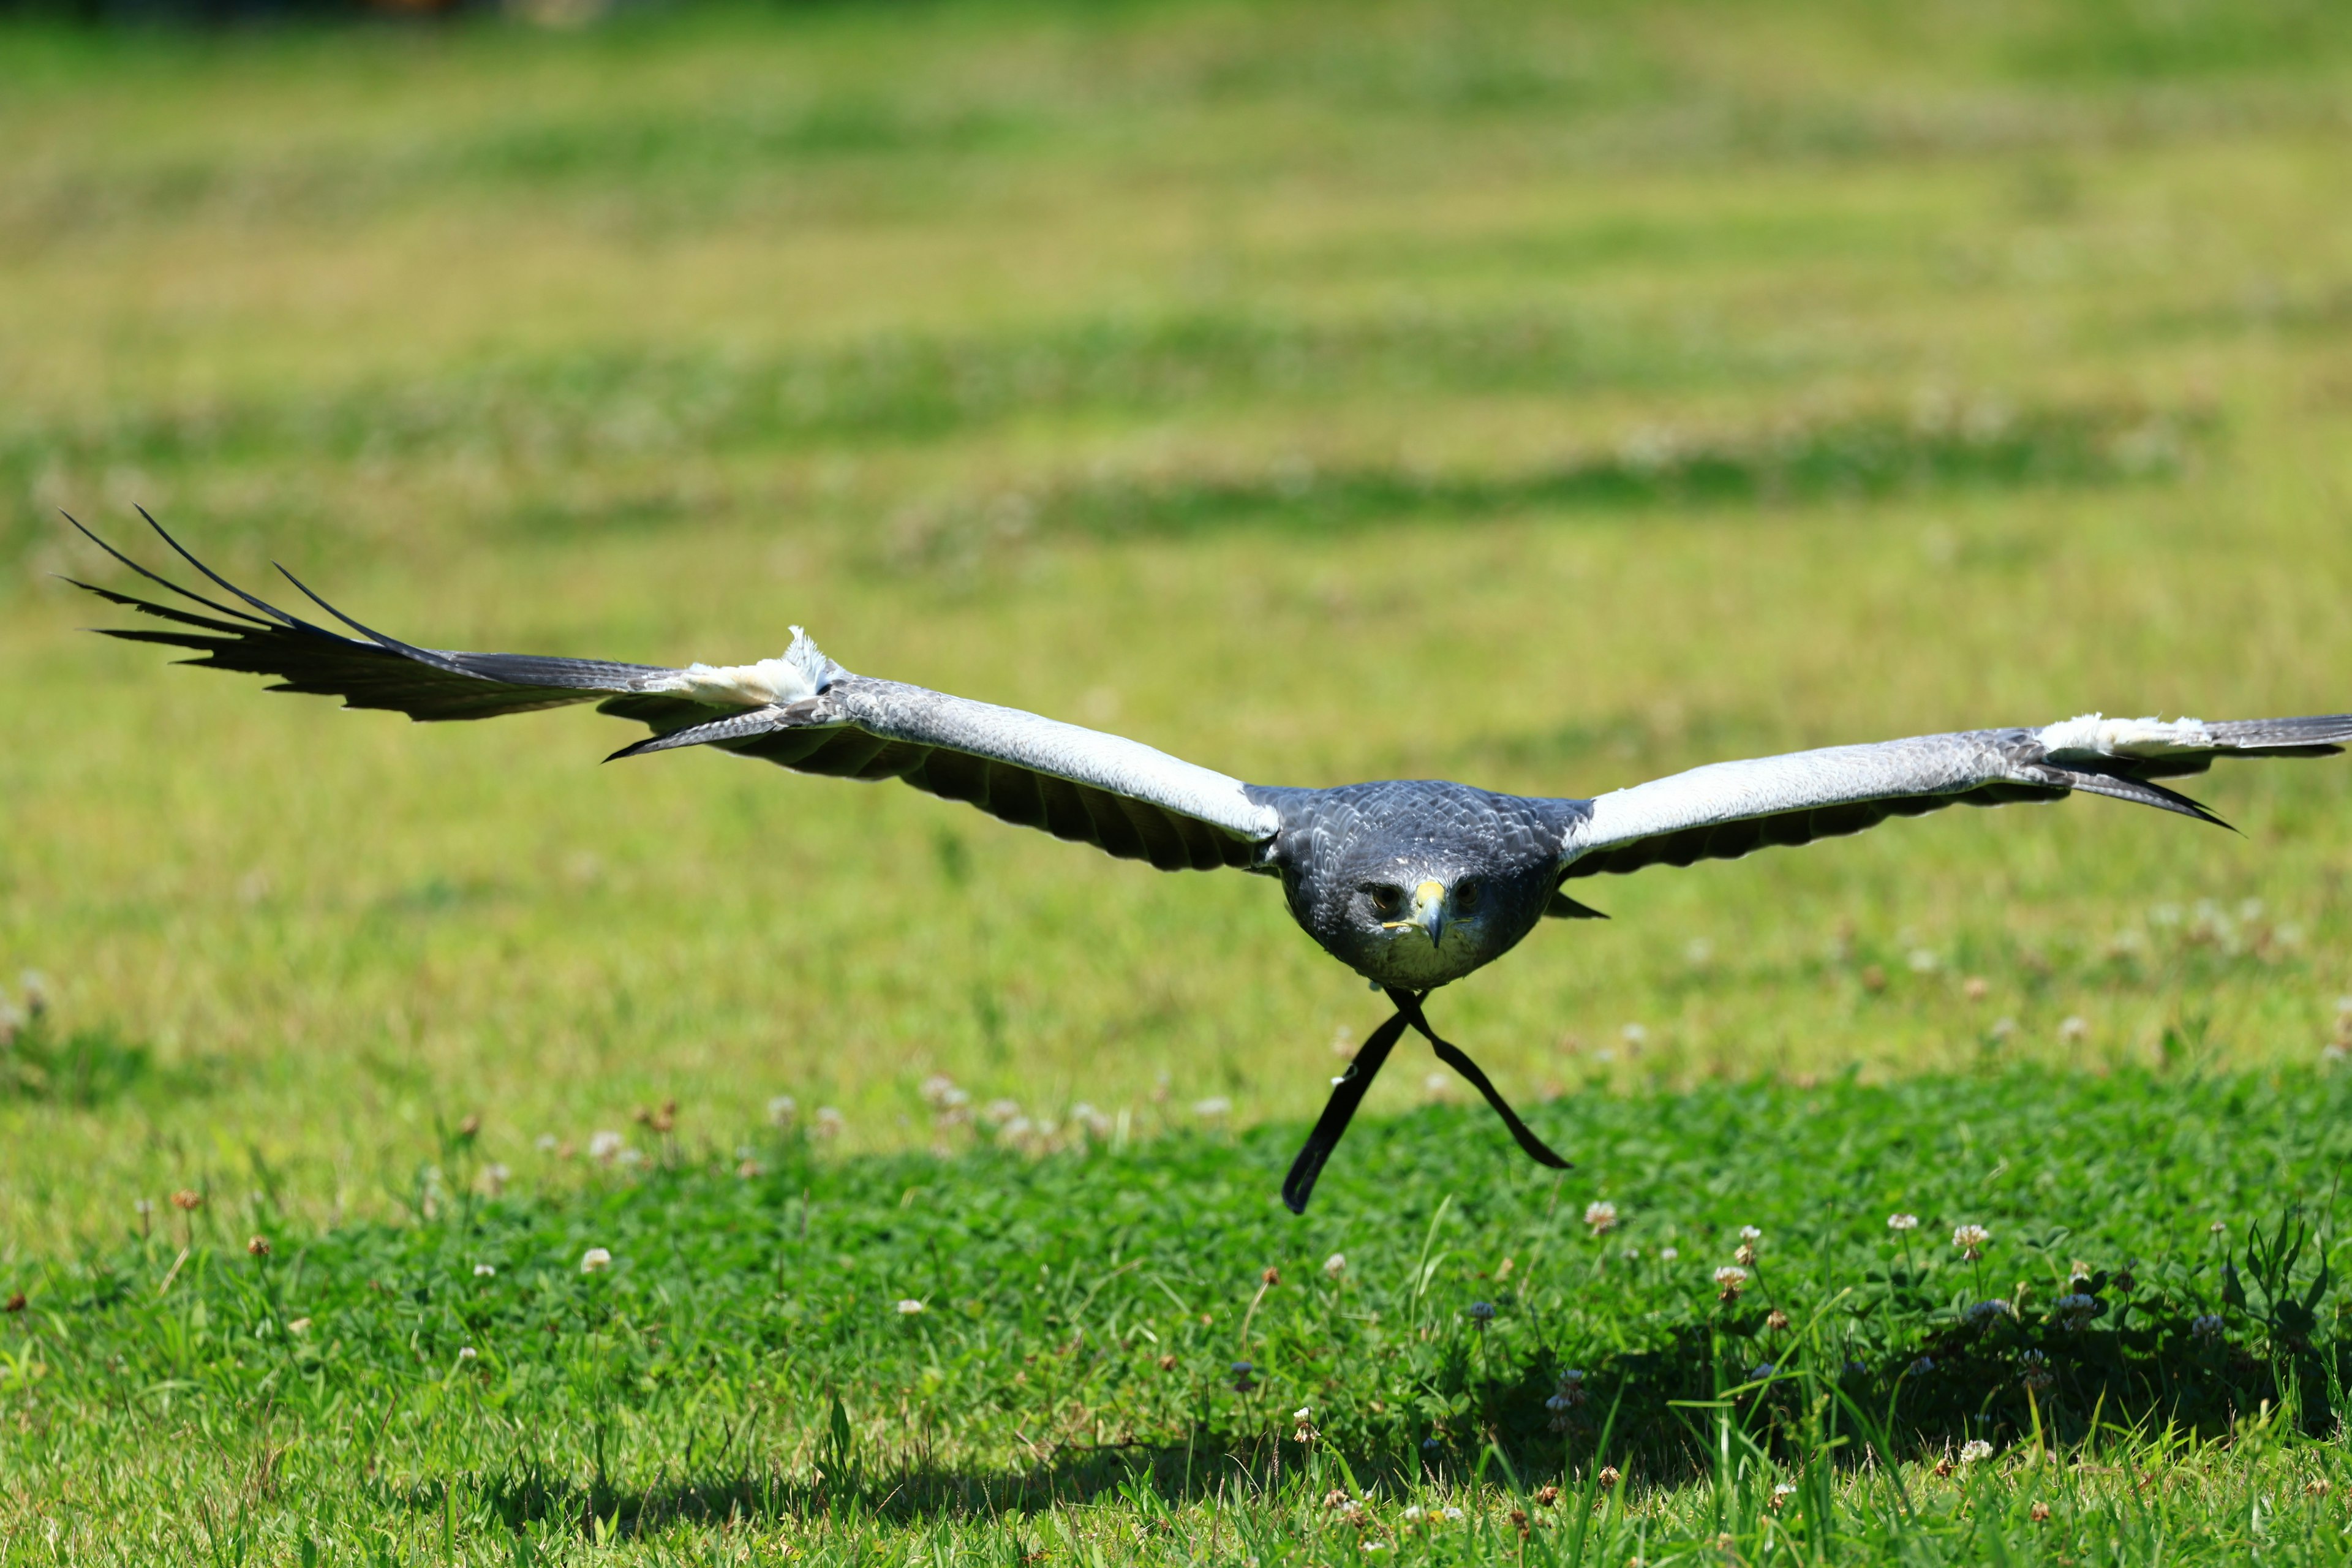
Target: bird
x,y
1411,883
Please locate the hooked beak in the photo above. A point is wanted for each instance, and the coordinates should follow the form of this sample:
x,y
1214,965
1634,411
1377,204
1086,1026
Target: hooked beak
x,y
1428,912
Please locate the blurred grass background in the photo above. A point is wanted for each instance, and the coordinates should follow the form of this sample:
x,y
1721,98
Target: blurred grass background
x,y
1544,398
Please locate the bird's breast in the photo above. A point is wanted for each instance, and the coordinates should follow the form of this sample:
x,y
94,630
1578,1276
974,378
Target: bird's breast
x,y
1409,960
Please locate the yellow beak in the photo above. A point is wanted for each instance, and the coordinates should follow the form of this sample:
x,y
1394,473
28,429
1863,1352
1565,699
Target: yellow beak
x,y
1428,912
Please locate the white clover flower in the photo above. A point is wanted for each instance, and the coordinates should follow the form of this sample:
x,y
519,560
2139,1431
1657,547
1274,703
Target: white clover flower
x,y
829,1122
782,1109
2218,1228
632,1158
1214,1108
2033,1371
1970,1239
495,1178
1984,1313
1601,1216
1729,1281
1974,1450
1669,1254
1761,1370
605,1146
1923,961
1334,1266
466,1353
1453,1514
1903,1222
1922,1367
484,1270
1412,1513
1001,1110
1633,1034
1783,1489
908,1307
2207,1325
593,1260
2073,1029
544,1144
2075,1304
937,1088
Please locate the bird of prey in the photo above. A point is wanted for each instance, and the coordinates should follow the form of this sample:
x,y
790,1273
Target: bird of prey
x,y
1412,883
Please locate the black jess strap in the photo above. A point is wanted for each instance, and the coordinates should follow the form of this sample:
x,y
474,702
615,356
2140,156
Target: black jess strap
x,y
1348,1088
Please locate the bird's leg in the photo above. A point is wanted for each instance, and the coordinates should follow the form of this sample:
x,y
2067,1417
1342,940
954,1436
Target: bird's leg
x,y
1346,1093
1408,1007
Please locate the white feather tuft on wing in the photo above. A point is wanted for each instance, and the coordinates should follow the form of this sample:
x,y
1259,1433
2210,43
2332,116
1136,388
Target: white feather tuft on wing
x,y
802,672
2094,735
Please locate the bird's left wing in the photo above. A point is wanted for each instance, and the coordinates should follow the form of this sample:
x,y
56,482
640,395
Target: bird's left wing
x,y
1726,809
803,711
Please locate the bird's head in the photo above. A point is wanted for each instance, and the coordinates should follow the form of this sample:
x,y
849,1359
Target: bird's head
x,y
1414,884
1419,920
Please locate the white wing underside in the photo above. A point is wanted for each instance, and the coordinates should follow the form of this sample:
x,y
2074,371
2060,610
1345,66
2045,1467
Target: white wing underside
x,y
1111,763
1725,810
1764,786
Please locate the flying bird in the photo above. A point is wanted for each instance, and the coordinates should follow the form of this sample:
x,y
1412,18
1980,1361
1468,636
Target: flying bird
x,y
1412,883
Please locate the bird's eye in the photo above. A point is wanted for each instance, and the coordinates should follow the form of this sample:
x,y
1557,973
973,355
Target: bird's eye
x,y
1466,896
1387,900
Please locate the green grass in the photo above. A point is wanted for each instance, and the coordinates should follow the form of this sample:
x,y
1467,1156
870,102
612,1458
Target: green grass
x,y
992,1345
1544,398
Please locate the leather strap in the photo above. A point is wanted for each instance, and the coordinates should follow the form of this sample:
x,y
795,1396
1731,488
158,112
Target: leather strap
x,y
1408,1005
1346,1093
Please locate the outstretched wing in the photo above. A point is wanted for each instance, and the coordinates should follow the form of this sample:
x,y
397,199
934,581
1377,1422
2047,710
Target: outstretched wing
x,y
803,711
1727,809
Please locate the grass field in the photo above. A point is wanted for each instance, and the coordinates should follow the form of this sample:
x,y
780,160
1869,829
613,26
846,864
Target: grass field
x,y
1543,398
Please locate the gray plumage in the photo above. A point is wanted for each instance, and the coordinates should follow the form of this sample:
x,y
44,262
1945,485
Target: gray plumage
x,y
1411,883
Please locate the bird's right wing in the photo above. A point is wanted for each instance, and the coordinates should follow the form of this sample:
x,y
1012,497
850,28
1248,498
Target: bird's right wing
x,y
802,710
1726,810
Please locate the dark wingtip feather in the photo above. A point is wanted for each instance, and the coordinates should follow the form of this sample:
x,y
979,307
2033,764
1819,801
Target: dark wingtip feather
x,y
424,656
2143,793
270,610
156,578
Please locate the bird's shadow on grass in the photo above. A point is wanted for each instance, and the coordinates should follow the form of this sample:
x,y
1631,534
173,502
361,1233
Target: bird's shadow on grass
x,y
1657,1416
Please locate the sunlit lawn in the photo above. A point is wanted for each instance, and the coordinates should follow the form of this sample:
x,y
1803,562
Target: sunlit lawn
x,y
1544,399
